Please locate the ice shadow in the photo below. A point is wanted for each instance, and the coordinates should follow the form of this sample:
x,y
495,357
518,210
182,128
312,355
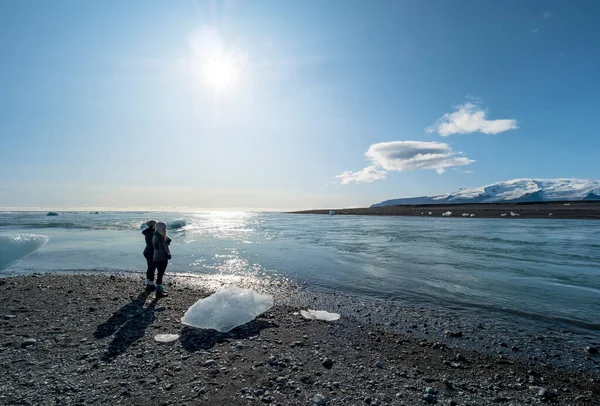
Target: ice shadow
x,y
121,316
194,339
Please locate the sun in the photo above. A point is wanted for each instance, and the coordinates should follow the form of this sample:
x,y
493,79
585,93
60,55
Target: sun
x,y
221,72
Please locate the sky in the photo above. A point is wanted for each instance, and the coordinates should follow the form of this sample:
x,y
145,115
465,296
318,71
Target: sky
x,y
281,105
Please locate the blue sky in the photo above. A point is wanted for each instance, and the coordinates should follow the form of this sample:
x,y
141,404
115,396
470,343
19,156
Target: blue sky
x,y
283,104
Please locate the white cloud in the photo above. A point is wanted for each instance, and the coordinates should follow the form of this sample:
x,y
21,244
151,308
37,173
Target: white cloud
x,y
546,14
469,118
366,175
535,30
404,156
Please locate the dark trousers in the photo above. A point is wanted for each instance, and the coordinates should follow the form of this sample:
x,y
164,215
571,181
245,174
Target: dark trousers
x,y
151,268
162,267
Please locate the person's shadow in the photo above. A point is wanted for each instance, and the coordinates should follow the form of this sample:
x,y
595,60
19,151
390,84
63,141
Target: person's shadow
x,y
130,324
121,316
193,339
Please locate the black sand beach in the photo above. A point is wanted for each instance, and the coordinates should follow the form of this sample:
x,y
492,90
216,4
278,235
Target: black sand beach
x,y
551,210
77,339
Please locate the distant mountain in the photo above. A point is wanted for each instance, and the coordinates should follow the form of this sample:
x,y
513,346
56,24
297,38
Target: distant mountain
x,y
512,191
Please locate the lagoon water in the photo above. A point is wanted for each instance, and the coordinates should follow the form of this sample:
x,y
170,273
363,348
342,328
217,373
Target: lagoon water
x,y
521,269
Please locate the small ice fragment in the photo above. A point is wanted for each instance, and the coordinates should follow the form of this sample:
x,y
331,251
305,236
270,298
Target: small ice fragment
x,y
227,309
447,214
465,214
319,315
472,214
430,213
166,338
503,215
514,214
551,214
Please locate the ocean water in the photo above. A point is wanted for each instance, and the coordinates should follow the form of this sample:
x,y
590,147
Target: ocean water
x,y
517,269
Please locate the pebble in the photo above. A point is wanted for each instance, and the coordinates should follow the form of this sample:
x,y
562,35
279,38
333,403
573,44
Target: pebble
x,y
429,397
327,363
281,380
12,316
210,362
319,399
28,342
589,350
430,390
379,364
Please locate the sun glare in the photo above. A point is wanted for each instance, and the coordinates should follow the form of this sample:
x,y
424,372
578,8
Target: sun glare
x,y
221,72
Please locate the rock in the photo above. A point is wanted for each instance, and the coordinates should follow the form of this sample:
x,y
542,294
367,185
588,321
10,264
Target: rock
x,y
379,364
429,397
327,363
12,316
281,380
545,393
460,358
319,399
430,390
454,334
591,350
29,342
209,363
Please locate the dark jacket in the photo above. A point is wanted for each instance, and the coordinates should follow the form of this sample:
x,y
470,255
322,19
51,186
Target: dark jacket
x,y
149,250
161,247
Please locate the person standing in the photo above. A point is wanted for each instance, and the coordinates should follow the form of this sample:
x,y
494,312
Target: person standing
x,y
149,255
161,256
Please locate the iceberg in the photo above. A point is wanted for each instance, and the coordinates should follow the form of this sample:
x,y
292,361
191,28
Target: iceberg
x,y
18,247
319,315
227,309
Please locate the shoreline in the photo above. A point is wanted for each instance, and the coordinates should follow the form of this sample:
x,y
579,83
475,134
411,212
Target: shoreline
x,y
94,344
582,210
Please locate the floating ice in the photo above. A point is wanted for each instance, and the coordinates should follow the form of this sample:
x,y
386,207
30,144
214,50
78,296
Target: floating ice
x,y
15,248
166,338
448,213
319,315
227,309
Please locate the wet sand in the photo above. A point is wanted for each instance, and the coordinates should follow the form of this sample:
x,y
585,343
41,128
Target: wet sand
x,y
552,210
89,339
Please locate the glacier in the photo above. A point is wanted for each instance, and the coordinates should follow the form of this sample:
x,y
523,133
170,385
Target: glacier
x,y
227,309
512,191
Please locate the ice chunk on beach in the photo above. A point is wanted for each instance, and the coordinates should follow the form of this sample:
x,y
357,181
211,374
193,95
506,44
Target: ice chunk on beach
x,y
166,338
513,214
447,214
225,310
319,315
503,215
465,214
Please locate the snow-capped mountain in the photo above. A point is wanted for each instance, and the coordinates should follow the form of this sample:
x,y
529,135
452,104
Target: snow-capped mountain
x,y
512,191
